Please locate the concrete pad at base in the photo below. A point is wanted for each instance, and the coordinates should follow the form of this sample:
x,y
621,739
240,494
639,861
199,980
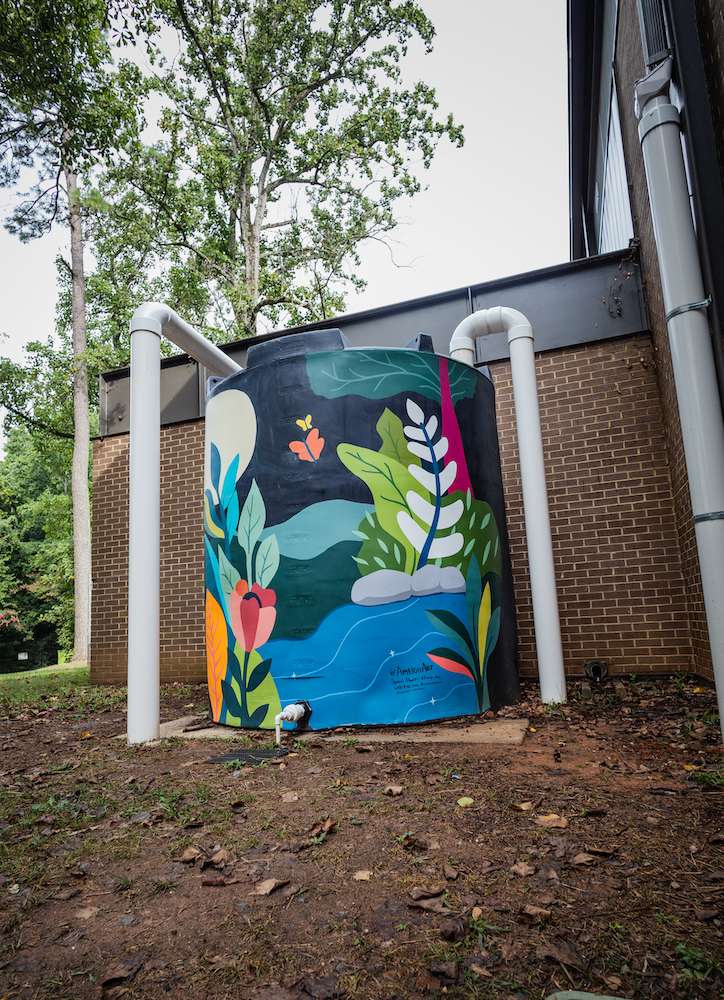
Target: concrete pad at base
x,y
510,732
506,732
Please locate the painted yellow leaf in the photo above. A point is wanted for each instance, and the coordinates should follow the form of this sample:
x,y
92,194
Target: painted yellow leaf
x,y
211,525
484,622
302,424
216,652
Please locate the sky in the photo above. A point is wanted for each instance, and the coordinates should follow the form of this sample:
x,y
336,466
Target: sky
x,y
498,206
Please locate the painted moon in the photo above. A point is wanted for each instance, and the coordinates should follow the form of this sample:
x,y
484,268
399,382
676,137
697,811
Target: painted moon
x,y
233,418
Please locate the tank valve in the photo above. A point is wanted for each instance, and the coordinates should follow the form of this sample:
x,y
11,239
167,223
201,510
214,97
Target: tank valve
x,y
297,712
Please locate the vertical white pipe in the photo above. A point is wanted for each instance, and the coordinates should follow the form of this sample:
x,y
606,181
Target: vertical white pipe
x,y
692,355
537,520
144,527
499,319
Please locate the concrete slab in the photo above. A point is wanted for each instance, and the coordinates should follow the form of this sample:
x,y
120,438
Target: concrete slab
x,y
497,732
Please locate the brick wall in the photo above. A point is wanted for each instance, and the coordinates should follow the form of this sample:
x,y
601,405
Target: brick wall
x,y
182,566
629,66
621,588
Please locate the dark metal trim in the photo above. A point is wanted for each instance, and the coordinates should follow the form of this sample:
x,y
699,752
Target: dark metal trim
x,y
578,302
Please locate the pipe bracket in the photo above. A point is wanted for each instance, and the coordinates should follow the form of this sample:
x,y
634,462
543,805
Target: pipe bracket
x,y
713,515
688,307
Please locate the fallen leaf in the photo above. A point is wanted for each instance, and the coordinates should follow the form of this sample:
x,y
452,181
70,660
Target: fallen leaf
x,y
583,859
221,858
465,802
706,913
446,972
560,951
290,797
190,855
552,821
453,929
362,876
435,905
522,868
536,912
322,829
393,790
87,735
268,886
363,748
419,892
476,912
86,912
549,873
523,806
480,971
214,881
450,873
121,972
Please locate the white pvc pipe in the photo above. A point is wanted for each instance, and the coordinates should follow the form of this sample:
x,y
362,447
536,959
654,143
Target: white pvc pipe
x,y
150,322
144,528
502,319
692,355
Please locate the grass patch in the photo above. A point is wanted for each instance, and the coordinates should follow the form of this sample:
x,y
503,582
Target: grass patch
x,y
28,687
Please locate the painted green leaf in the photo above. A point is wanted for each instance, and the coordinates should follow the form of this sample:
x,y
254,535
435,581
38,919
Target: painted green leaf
x,y
379,373
389,482
258,675
257,716
451,626
231,702
229,576
267,560
251,520
264,696
394,443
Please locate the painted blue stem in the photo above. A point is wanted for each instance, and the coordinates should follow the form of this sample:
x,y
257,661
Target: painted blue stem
x,y
438,502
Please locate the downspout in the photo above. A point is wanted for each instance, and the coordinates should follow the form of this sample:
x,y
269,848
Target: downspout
x,y
692,356
501,319
150,322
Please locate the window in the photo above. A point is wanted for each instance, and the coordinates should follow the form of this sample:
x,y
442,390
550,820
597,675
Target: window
x,y
614,224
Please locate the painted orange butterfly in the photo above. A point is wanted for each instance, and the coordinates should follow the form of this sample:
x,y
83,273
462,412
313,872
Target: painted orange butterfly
x,y
312,446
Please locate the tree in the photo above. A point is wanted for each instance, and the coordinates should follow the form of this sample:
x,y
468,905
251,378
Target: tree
x,y
36,557
61,112
287,137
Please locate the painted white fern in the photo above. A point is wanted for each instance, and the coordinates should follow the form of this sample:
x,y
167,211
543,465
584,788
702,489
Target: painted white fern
x,y
429,544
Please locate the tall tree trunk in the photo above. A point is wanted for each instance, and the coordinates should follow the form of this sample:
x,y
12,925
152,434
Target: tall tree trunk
x,y
81,430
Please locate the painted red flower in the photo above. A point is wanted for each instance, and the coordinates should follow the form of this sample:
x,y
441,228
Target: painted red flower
x,y
252,614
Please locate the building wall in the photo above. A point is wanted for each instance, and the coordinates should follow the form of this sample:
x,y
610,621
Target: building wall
x,y
629,66
182,565
621,588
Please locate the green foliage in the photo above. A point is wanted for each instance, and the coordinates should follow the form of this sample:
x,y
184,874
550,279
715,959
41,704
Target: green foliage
x,y
482,540
36,559
286,139
389,482
379,550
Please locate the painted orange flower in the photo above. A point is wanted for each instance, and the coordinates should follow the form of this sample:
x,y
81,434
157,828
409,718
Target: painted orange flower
x,y
252,614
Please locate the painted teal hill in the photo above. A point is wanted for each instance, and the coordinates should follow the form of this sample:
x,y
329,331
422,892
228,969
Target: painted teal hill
x,y
318,527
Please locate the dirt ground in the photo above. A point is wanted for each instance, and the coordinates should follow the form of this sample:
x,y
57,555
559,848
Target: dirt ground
x,y
588,858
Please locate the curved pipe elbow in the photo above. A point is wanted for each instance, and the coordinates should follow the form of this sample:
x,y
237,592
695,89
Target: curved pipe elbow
x,y
498,319
155,317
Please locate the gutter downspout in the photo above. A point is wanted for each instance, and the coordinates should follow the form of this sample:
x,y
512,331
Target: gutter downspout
x,y
692,355
502,319
150,322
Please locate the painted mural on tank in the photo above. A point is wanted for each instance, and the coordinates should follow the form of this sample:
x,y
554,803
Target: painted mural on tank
x,y
356,554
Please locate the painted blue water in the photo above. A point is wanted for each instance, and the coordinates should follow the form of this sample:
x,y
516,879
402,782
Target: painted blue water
x,y
368,666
